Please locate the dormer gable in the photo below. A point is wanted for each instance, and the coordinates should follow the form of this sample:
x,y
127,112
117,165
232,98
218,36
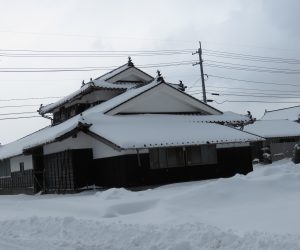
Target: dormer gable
x,y
126,73
163,99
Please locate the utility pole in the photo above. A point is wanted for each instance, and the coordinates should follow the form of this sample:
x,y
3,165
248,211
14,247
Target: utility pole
x,y
199,52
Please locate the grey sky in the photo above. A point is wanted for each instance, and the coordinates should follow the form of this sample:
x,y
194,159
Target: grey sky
x,y
258,27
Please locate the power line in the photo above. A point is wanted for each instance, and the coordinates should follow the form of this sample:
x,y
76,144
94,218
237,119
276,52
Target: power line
x,y
255,95
253,69
20,117
250,81
218,52
20,106
30,98
98,51
37,70
107,55
255,89
17,113
254,59
254,101
212,89
253,66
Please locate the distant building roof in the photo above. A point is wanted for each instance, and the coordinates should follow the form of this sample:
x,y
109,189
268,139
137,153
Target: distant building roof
x,y
274,128
291,113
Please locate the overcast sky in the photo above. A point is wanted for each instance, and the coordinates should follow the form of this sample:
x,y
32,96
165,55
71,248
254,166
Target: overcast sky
x,y
265,28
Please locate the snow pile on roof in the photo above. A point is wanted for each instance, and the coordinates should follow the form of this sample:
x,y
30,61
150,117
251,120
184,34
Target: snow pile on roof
x,y
292,114
114,72
43,136
258,211
88,87
226,117
116,85
45,109
150,131
274,128
117,100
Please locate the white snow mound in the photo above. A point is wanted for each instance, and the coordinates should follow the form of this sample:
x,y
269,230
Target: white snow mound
x,y
257,211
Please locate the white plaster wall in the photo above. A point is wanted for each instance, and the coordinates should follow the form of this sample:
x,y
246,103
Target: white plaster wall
x,y
163,98
130,74
15,162
159,102
100,150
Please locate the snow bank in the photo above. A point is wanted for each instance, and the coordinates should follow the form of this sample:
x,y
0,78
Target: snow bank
x,y
257,211
69,233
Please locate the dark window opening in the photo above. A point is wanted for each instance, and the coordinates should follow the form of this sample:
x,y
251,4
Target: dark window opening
x,y
5,168
183,156
21,164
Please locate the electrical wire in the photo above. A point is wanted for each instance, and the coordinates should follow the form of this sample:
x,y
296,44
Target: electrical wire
x,y
17,113
30,98
253,69
253,101
36,70
250,81
20,117
241,55
212,87
254,95
252,66
20,106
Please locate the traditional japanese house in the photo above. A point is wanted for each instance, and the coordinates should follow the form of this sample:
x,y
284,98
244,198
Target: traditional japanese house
x,y
123,129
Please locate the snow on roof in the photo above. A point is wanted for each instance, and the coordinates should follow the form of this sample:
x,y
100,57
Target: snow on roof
x,y
43,136
274,128
226,117
182,123
291,113
153,130
85,89
131,93
49,107
114,72
117,100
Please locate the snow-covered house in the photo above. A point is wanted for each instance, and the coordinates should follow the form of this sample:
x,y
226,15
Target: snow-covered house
x,y
126,128
281,129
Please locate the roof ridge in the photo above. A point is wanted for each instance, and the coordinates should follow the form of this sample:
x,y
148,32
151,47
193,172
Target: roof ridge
x,y
126,64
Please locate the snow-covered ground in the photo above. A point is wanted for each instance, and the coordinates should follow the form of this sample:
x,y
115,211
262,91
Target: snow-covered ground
x,y
257,211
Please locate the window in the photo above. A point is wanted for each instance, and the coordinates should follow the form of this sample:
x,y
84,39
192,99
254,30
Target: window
x,y
21,167
183,156
158,158
201,155
175,157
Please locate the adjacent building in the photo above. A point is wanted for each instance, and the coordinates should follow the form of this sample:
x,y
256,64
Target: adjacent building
x,y
281,129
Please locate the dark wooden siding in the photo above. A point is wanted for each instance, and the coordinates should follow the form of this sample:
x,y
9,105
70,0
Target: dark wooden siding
x,y
71,170
68,170
125,171
18,182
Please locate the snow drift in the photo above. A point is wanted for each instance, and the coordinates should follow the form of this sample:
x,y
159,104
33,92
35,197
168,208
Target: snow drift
x,y
257,211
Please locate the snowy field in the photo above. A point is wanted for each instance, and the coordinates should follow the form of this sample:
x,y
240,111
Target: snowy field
x,y
257,211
